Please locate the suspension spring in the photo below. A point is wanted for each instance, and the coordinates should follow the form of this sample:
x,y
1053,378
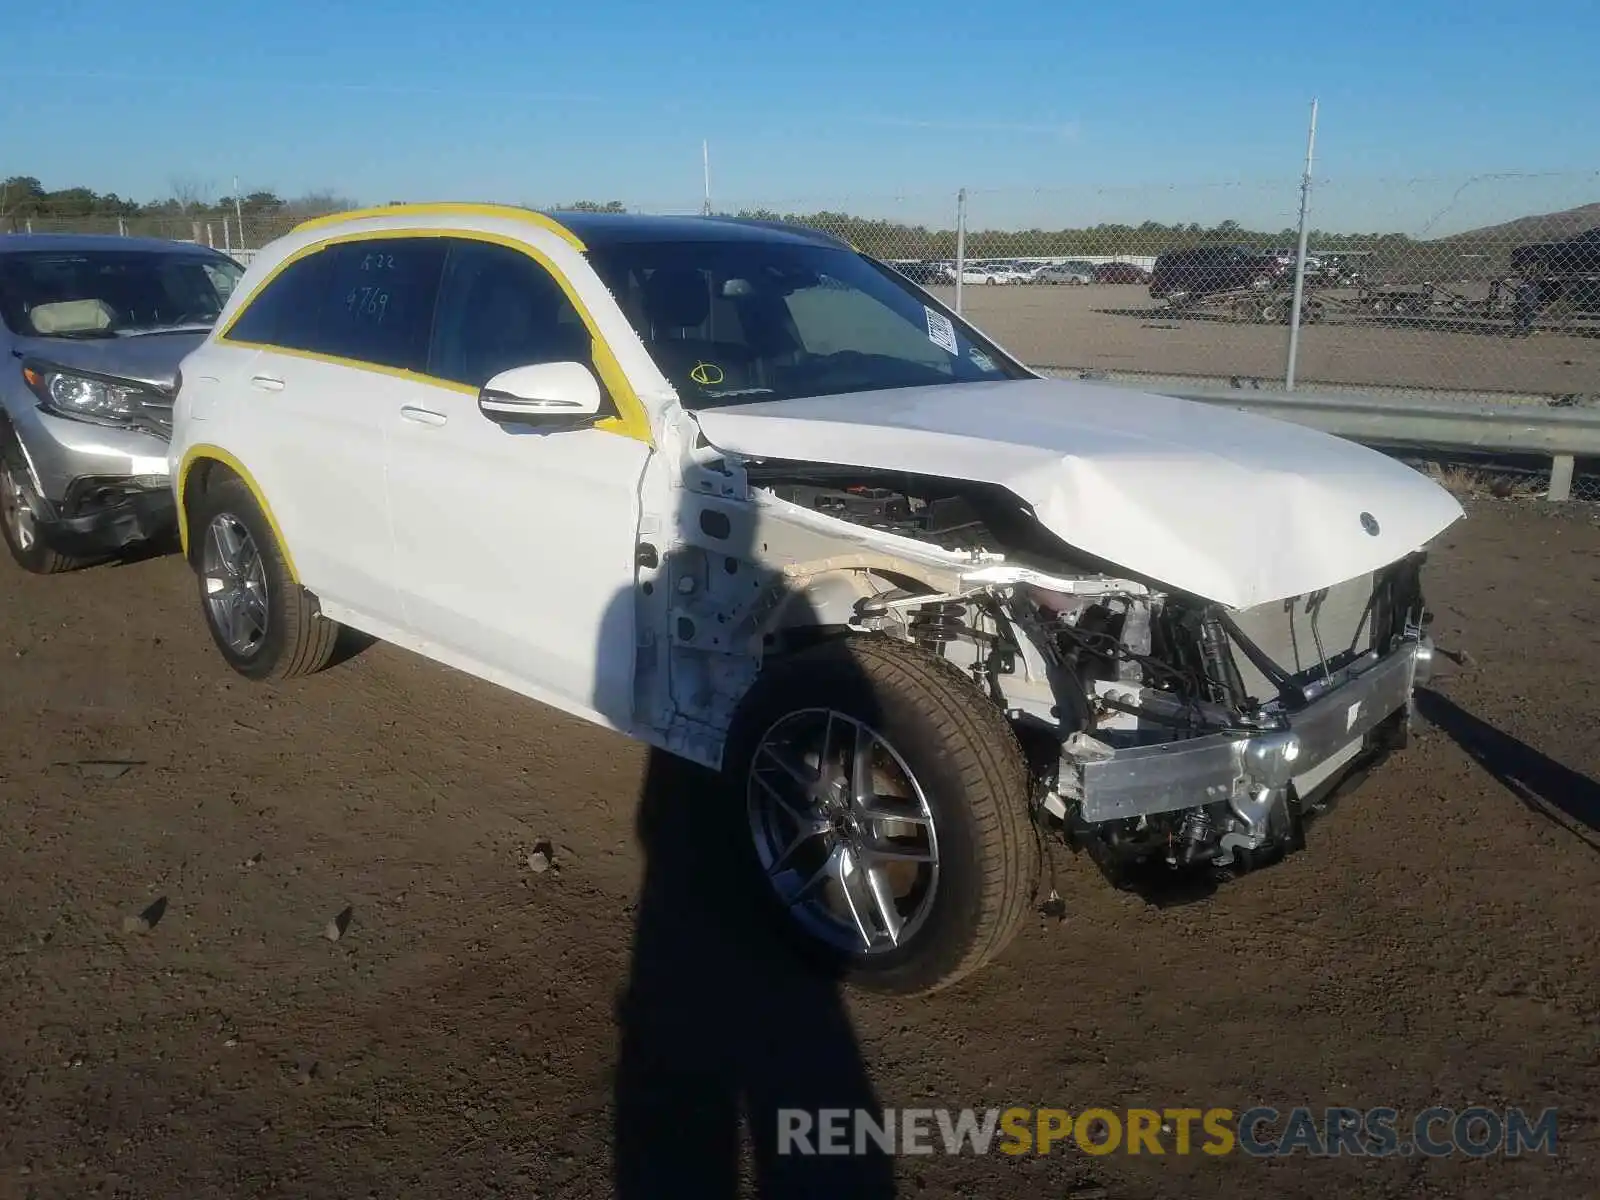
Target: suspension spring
x,y
936,625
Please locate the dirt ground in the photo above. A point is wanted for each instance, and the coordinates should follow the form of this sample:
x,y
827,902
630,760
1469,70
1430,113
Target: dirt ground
x,y
1119,328
479,1028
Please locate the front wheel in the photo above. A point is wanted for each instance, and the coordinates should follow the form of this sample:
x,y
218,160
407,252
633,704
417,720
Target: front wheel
x,y
887,807
19,522
265,624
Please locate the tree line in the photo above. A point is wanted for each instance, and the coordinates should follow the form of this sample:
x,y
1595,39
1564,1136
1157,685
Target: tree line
x,y
190,209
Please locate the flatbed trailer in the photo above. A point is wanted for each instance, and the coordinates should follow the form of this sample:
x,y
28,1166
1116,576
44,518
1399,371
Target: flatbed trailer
x,y
1259,306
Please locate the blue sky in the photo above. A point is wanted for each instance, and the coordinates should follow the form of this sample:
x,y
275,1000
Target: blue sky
x,y
1051,112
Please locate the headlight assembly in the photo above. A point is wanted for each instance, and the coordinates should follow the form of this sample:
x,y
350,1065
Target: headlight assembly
x,y
88,398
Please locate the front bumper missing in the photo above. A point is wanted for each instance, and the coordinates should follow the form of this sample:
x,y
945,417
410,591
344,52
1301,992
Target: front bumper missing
x,y
113,516
1116,784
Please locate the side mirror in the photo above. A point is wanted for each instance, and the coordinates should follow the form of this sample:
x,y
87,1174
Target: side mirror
x,y
562,393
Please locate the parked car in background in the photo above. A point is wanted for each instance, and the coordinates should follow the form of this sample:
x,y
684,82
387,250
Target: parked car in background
x,y
1072,274
1120,272
1318,270
997,272
93,329
927,274
1204,270
755,500
1341,268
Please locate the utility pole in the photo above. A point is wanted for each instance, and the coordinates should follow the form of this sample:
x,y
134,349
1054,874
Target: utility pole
x,y
1300,257
961,243
705,162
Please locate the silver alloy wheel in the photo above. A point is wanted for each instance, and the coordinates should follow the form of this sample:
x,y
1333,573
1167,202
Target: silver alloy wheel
x,y
16,506
843,831
235,582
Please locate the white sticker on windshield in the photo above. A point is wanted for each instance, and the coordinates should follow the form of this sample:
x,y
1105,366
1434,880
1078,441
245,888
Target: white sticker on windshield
x,y
940,331
980,360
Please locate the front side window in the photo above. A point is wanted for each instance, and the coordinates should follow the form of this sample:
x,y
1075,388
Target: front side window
x,y
500,309
111,293
747,320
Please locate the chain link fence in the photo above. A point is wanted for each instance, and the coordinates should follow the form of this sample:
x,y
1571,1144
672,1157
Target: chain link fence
x,y
237,233
1423,300
1486,286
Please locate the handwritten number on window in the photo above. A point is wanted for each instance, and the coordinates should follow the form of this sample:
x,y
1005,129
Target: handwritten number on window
x,y
377,262
368,302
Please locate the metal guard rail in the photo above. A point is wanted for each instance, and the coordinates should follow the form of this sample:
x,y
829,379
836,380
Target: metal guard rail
x,y
1564,434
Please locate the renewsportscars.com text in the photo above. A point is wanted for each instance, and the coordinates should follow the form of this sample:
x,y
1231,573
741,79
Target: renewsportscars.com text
x,y
1260,1132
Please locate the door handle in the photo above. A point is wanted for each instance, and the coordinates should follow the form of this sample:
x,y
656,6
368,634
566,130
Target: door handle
x,y
423,416
267,383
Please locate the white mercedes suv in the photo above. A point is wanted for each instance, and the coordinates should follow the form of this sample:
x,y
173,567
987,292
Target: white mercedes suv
x,y
756,500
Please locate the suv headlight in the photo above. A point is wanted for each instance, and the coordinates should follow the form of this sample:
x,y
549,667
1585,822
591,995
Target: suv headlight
x,y
87,397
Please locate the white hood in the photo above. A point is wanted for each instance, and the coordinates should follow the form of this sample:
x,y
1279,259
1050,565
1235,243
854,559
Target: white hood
x,y
1232,507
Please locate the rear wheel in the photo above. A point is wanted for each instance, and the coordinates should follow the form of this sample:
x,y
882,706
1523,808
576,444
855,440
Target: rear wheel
x,y
887,807
264,623
19,505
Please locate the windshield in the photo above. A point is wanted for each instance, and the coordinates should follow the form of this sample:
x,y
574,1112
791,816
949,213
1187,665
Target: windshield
x,y
741,321
101,293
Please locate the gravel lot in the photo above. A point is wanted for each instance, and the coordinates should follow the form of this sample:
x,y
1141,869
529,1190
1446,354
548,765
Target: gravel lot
x,y
1119,328
481,1028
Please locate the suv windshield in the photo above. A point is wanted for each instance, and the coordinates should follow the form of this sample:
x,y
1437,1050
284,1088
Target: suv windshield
x,y
101,293
740,321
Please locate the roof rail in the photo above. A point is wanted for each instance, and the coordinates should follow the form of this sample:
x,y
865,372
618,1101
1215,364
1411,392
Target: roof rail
x,y
507,212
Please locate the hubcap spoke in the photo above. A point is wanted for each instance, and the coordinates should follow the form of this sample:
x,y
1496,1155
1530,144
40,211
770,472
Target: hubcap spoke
x,y
798,812
227,616
829,869
792,770
229,546
883,901
891,808
861,767
858,898
808,831
876,851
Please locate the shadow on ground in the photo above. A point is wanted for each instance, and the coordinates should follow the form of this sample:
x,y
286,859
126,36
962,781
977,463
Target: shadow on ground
x,y
722,1025
1554,791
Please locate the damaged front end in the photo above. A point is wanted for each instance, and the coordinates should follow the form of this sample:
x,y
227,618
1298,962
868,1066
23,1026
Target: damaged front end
x,y
1210,735
1157,725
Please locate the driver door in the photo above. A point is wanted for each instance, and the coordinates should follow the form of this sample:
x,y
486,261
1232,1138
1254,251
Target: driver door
x,y
515,544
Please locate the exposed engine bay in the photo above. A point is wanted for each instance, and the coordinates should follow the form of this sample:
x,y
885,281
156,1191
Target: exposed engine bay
x,y
1158,725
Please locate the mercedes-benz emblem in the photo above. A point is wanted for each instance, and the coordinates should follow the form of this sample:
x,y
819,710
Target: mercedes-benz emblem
x,y
1369,523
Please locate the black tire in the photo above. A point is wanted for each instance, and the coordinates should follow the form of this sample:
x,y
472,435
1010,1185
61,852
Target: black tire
x,y
34,557
298,639
970,767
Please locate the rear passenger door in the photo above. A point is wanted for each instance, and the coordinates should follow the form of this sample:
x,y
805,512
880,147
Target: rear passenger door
x,y
341,333
515,544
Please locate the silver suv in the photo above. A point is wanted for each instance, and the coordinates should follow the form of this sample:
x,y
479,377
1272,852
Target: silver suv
x,y
95,328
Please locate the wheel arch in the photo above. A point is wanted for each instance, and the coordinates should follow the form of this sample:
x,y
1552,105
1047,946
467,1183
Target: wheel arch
x,y
205,464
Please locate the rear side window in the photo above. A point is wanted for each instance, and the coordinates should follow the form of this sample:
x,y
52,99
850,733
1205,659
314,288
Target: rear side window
x,y
371,301
379,299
